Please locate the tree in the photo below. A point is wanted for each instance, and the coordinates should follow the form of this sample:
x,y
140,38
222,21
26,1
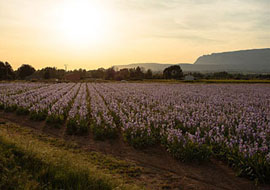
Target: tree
x,y
123,74
60,73
6,71
139,73
132,73
25,71
136,73
47,74
221,75
99,73
197,75
173,72
149,74
110,74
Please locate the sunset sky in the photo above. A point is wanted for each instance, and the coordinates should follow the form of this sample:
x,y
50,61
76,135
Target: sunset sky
x,y
100,33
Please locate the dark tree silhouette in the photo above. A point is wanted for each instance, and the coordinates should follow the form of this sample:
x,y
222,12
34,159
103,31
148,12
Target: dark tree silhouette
x,y
6,71
132,73
110,74
149,74
124,73
25,71
221,75
173,72
139,73
47,74
99,73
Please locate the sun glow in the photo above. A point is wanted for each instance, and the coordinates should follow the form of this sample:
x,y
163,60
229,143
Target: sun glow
x,y
83,22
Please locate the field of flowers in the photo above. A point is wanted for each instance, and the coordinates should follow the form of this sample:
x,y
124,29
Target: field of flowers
x,y
193,122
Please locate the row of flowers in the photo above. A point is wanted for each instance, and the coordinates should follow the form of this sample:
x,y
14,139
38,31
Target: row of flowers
x,y
78,122
192,121
102,122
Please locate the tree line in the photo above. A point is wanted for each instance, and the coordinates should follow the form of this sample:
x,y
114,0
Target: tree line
x,y
27,72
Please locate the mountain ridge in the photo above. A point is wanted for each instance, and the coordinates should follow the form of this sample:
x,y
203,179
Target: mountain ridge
x,y
251,60
236,57
153,66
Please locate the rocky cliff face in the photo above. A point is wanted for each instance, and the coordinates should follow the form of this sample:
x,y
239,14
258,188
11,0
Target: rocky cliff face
x,y
257,59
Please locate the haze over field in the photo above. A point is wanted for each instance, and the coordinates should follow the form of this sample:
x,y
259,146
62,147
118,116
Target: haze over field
x,y
91,34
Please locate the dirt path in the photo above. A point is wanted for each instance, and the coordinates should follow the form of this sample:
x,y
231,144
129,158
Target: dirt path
x,y
160,170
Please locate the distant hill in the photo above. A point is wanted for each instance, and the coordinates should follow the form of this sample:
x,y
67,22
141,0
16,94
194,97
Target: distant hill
x,y
257,60
245,61
156,67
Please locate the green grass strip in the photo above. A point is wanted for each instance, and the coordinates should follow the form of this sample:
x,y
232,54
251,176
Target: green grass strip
x,y
29,163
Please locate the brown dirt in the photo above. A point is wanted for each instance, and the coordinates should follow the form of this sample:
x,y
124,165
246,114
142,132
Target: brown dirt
x,y
159,169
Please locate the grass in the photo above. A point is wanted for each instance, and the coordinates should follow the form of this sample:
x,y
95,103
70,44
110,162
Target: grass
x,y
172,81
233,81
31,161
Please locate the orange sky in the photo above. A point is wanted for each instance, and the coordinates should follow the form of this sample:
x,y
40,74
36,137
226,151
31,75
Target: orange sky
x,y
91,34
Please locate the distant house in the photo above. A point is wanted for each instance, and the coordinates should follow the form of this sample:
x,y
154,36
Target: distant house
x,y
73,77
189,78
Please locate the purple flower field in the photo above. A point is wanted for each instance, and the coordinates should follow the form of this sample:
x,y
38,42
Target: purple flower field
x,y
194,122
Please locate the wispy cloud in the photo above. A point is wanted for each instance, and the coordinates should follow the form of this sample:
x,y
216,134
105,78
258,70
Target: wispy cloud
x,y
199,39
215,17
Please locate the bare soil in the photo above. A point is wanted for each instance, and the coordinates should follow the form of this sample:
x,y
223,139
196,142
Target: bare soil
x,y
159,169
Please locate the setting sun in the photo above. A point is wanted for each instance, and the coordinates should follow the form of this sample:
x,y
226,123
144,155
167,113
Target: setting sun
x,y
82,23
103,33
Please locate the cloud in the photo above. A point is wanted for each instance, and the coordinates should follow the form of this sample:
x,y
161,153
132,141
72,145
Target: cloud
x,y
208,19
187,37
